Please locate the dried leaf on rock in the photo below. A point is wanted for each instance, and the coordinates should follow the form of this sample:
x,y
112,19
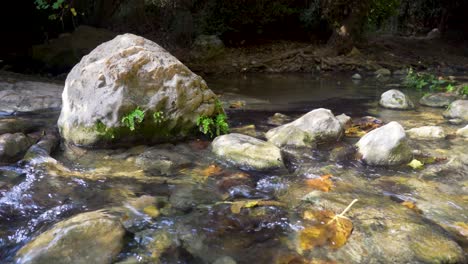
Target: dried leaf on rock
x,y
416,164
412,206
322,183
354,131
237,206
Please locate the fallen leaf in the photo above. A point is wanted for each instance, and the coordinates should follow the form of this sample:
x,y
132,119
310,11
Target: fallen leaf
x,y
151,211
416,164
322,183
326,229
237,206
211,170
412,206
354,131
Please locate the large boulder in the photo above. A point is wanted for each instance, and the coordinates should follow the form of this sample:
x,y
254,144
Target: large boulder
x,y
135,79
395,99
92,237
247,152
319,125
438,99
457,110
386,145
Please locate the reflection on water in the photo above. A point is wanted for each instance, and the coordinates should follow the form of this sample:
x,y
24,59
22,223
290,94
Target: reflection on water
x,y
196,217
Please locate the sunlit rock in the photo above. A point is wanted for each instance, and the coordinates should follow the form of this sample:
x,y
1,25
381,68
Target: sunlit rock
x,y
395,99
317,126
457,110
426,132
126,75
247,152
92,237
386,145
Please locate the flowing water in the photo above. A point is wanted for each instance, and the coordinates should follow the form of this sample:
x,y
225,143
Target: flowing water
x,y
196,193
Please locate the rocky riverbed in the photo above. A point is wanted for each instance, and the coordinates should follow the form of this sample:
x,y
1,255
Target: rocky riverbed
x,y
281,189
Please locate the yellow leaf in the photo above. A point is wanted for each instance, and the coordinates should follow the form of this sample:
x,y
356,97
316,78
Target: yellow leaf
x,y
416,164
237,206
151,211
211,170
354,131
73,11
412,206
323,183
311,237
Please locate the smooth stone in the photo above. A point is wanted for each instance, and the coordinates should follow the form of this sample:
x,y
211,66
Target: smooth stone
x,y
345,120
247,152
457,110
395,99
426,132
92,237
438,99
386,145
13,145
356,76
317,126
382,72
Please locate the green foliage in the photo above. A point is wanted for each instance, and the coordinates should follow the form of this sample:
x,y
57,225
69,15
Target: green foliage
x,y
420,81
464,90
104,130
381,10
133,118
58,9
158,117
213,126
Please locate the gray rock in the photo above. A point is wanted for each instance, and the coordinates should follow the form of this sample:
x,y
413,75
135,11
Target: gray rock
x,y
278,119
463,132
124,74
319,125
65,51
92,237
457,110
28,96
386,145
356,76
163,161
426,132
208,46
225,260
395,99
345,120
13,145
382,72
247,152
438,99
16,124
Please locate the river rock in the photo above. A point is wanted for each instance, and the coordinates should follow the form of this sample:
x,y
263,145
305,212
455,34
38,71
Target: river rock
x,y
208,46
92,237
125,74
382,72
162,159
13,145
345,120
247,152
356,76
395,99
62,53
386,145
319,125
28,96
426,132
463,132
457,110
438,99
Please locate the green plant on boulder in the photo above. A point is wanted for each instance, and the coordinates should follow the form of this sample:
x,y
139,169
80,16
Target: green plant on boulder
x,y
158,117
213,126
134,118
420,81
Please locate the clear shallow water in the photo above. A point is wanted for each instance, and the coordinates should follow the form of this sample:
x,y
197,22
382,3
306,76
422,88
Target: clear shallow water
x,y
196,198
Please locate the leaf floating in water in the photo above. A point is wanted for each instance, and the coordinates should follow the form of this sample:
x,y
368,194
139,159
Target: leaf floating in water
x,y
354,131
412,206
329,229
237,206
211,170
416,164
151,211
322,183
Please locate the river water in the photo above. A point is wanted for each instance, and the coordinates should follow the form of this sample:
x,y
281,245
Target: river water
x,y
400,215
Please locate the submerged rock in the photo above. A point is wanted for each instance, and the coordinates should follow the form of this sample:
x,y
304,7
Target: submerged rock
x,y
135,79
457,110
395,99
382,72
356,76
13,145
386,145
317,126
426,132
247,152
92,237
438,99
278,119
162,159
